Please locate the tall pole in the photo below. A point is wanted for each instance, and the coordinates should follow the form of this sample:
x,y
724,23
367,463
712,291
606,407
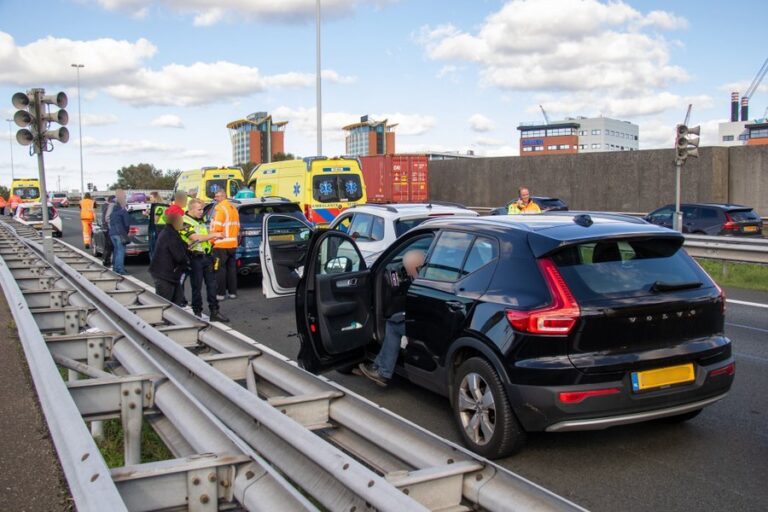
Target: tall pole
x,y
677,223
10,139
40,142
80,128
319,87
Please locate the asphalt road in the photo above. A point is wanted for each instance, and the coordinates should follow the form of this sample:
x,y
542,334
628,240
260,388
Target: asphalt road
x,y
719,460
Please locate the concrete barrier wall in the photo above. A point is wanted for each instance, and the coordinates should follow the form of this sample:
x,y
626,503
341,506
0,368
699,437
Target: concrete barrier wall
x,y
748,178
637,181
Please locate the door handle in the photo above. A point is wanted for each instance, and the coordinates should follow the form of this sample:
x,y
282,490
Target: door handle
x,y
454,305
347,283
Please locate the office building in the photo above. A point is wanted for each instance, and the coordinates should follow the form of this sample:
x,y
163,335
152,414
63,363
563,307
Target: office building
x,y
578,135
257,138
369,137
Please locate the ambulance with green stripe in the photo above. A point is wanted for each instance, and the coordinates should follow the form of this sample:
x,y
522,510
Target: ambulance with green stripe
x,y
323,187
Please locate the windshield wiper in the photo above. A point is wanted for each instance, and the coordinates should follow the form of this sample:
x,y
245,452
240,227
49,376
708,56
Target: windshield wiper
x,y
661,286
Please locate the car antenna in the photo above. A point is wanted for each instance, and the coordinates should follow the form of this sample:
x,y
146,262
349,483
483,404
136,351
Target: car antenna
x,y
583,220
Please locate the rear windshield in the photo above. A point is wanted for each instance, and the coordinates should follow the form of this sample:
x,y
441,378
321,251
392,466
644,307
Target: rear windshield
x,y
27,192
138,217
402,226
59,195
610,269
550,203
332,188
744,215
35,213
213,186
253,213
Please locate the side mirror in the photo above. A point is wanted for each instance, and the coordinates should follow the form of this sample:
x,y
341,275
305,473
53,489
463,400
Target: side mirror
x,y
338,265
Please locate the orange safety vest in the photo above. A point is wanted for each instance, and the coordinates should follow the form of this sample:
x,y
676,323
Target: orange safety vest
x,y
14,200
2,202
225,220
86,209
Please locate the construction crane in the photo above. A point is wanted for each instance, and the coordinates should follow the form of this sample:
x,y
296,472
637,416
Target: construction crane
x,y
546,117
751,90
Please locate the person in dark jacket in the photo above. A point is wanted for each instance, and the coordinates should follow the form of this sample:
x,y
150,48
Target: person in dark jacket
x,y
396,286
119,222
171,259
106,212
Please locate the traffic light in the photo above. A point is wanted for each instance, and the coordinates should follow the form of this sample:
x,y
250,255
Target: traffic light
x,y
686,145
34,116
90,187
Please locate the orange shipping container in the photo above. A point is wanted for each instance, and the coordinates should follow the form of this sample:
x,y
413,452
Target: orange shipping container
x,y
396,178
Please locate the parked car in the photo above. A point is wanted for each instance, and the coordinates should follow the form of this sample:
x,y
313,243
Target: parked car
x,y
375,226
711,219
31,214
137,232
59,200
252,212
547,204
551,322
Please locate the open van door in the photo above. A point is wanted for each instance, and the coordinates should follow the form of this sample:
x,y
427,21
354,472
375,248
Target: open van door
x,y
334,313
282,253
156,212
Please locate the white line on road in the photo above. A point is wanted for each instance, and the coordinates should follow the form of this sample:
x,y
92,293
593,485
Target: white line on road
x,y
742,326
745,303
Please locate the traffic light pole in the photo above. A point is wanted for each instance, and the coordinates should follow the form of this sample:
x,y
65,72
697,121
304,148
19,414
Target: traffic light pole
x,y
677,224
39,147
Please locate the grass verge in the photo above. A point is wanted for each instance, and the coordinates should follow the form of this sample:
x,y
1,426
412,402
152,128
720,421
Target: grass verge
x,y
152,448
752,276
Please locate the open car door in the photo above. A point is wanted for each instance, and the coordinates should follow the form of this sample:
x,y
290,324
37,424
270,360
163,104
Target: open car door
x,y
334,312
156,212
282,252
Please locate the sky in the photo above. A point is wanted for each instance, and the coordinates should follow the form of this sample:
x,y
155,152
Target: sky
x,y
162,78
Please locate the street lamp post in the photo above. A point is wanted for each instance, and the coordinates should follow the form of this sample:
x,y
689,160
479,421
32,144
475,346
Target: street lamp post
x,y
10,139
80,128
319,87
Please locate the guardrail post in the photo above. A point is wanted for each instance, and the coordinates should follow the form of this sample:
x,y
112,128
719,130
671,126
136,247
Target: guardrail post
x,y
131,415
95,357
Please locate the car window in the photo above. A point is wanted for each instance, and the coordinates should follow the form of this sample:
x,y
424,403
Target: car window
x,y
343,223
662,214
254,213
446,260
708,213
332,188
27,192
138,217
367,227
484,250
213,186
336,256
744,215
287,229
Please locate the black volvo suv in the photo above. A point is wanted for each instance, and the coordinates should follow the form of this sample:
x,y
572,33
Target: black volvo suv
x,y
553,322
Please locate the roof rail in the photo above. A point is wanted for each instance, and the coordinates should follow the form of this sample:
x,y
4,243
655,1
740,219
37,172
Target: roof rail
x,y
446,203
281,198
377,205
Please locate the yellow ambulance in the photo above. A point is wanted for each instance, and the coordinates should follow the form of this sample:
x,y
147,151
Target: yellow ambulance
x,y
28,189
208,180
323,187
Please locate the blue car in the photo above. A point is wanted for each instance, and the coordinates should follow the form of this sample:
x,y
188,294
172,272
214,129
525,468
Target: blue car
x,y
252,213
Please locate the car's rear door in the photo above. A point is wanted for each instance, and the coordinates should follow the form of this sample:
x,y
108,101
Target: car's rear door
x,y
282,253
334,312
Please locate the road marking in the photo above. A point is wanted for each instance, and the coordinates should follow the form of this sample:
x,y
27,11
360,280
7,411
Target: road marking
x,y
745,303
742,326
751,357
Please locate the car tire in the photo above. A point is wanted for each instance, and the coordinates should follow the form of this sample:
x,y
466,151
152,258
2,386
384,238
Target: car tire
x,y
492,431
681,418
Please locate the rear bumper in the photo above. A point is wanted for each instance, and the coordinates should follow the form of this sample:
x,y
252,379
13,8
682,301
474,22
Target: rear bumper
x,y
539,408
247,266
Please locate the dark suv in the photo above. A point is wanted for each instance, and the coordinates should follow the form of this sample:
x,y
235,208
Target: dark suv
x,y
552,322
711,219
546,204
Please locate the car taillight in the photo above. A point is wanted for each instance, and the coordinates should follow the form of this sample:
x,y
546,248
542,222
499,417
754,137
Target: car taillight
x,y
557,319
730,225
133,230
729,369
54,213
575,397
307,212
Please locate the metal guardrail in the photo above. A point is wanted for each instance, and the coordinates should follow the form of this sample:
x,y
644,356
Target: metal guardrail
x,y
247,425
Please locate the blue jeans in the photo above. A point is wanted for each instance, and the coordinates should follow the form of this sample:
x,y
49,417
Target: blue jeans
x,y
118,256
390,349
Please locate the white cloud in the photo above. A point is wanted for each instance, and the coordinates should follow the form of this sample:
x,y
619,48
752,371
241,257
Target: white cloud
x,y
657,133
563,45
409,124
449,70
168,121
585,103
480,123
334,77
99,119
305,121
118,146
209,12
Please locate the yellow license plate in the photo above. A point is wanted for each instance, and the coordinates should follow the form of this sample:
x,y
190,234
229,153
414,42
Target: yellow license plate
x,y
662,377
280,238
750,229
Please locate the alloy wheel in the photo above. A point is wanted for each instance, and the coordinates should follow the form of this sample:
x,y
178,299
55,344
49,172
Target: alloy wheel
x,y
477,408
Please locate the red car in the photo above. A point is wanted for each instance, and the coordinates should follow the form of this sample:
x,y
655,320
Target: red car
x,y
59,200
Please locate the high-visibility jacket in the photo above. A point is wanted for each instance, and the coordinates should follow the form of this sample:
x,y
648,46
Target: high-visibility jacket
x,y
193,226
2,202
225,220
14,201
516,208
86,209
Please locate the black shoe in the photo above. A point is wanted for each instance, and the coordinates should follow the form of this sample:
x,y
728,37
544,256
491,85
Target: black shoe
x,y
107,263
216,316
87,246
372,373
197,312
